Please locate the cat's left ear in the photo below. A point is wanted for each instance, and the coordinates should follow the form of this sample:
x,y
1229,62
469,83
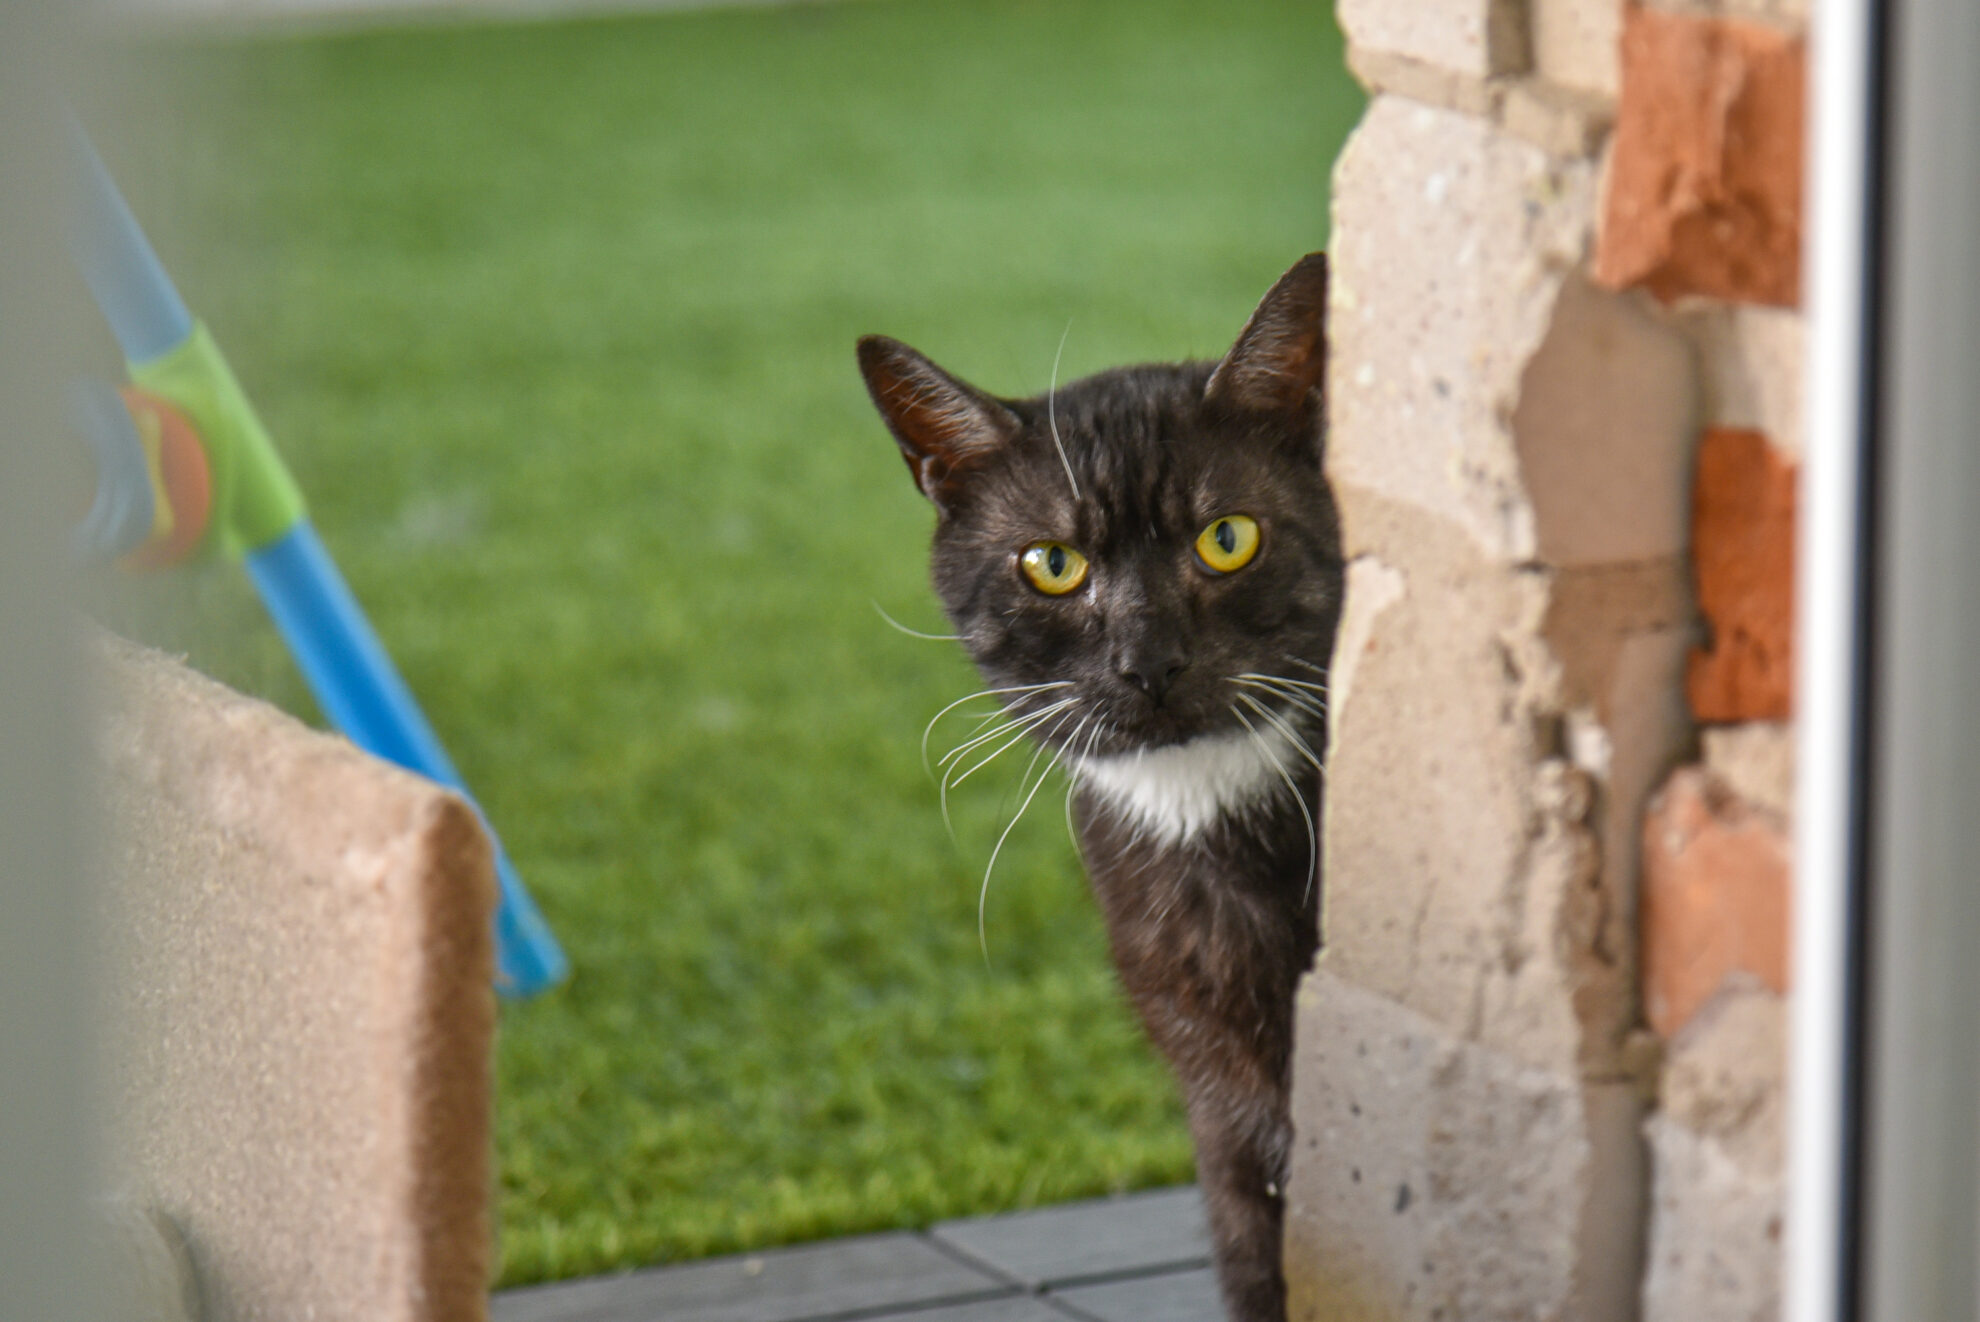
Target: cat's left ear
x,y
1281,355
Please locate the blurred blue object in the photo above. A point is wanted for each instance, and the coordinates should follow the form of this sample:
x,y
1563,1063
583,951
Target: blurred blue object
x,y
361,692
258,512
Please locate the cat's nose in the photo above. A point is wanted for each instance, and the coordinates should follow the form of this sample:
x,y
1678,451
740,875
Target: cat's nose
x,y
1153,670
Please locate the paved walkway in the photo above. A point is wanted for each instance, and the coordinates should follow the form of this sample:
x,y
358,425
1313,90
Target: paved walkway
x,y
1142,1258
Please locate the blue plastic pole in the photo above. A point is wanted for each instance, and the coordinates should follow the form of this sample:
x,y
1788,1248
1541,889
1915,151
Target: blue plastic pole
x,y
340,656
361,691
124,275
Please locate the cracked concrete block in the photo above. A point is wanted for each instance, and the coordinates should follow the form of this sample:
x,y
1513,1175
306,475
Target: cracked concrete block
x,y
1717,1146
299,1012
1561,120
1604,427
1476,37
1438,1180
1462,859
1432,84
1757,761
1574,43
1452,240
1372,587
1751,360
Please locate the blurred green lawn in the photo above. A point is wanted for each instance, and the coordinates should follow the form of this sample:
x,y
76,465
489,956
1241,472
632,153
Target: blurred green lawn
x,y
555,324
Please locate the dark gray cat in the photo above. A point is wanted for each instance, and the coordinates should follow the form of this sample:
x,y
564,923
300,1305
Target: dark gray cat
x,y
1147,565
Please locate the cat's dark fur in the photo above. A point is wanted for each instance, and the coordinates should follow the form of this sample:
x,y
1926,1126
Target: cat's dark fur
x,y
1210,927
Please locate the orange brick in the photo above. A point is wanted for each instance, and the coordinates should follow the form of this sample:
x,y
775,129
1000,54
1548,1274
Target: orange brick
x,y
1704,190
1717,878
1742,547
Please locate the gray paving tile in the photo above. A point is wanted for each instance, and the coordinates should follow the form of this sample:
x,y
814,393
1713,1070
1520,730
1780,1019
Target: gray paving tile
x,y
1082,1241
1186,1296
1011,1308
842,1278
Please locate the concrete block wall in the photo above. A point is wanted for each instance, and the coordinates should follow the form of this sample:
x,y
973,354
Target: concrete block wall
x,y
1538,1073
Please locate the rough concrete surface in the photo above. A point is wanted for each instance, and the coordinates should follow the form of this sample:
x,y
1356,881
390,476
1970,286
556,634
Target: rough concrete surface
x,y
1574,43
1604,427
1718,1141
1432,84
299,1007
1442,1181
1476,37
1563,121
1751,369
1757,761
1427,355
1446,873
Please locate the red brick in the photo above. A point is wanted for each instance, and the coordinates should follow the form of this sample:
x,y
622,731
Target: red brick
x,y
1717,885
1742,547
1704,189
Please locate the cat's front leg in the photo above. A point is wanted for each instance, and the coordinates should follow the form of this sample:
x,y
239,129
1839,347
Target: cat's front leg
x,y
1240,1166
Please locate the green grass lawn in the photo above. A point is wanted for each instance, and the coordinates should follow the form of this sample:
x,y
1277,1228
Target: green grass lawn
x,y
555,324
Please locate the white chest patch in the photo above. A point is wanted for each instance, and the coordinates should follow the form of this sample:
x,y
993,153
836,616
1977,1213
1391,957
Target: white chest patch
x,y
1176,792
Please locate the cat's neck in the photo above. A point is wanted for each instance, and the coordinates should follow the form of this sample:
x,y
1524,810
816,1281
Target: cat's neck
x,y
1177,794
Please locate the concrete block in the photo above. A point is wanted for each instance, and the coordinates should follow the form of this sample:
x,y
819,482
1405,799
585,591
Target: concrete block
x,y
1574,43
1604,428
1561,121
1462,861
1452,239
1475,37
1717,1156
1717,886
299,1007
1704,183
1756,761
1435,1178
1744,502
1751,369
1432,84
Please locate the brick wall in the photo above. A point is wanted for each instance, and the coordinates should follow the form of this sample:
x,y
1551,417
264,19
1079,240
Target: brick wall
x,y
1539,1067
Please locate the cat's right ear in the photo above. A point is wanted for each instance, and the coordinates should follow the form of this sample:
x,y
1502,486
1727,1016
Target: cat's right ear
x,y
943,425
1280,358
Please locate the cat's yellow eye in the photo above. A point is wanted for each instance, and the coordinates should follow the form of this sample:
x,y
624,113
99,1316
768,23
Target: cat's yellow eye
x,y
1228,543
1053,567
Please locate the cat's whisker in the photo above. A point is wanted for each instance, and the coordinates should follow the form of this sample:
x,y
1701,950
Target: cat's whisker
x,y
1024,779
1304,664
1022,727
914,633
1289,680
1284,679
1280,724
1018,723
1299,800
929,729
1305,702
1072,764
1052,409
983,896
1313,705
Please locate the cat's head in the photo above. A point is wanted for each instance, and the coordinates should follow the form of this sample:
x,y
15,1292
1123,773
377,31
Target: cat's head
x,y
1142,540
